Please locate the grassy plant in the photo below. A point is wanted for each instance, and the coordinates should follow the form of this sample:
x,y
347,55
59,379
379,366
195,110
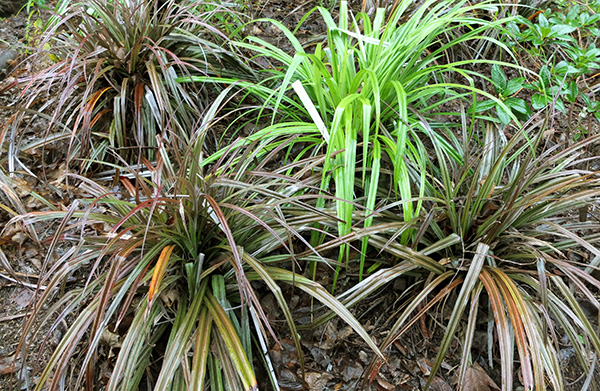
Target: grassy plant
x,y
173,274
113,80
358,91
513,213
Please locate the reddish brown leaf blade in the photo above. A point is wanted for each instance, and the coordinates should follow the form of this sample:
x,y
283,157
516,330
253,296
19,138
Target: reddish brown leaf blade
x,y
502,327
511,294
138,96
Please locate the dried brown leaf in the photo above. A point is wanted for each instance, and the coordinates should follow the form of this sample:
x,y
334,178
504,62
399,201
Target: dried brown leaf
x,y
436,384
8,365
424,365
384,385
318,381
439,384
22,298
476,379
111,339
21,186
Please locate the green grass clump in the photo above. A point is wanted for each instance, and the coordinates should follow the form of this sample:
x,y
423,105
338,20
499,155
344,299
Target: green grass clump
x,y
364,90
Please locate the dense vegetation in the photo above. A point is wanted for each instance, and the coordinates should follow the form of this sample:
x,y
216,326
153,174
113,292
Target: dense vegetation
x,y
452,142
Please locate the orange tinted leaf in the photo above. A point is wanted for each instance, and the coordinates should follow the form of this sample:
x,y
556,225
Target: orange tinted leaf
x,y
159,270
99,116
128,186
138,96
518,316
502,328
94,99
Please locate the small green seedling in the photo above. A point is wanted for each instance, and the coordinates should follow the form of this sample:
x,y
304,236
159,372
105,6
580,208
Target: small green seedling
x,y
505,90
542,32
591,107
545,92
